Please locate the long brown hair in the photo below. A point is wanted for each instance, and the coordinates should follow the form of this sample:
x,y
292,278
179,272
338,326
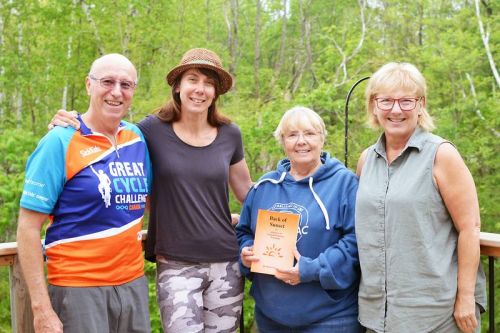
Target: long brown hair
x,y
170,112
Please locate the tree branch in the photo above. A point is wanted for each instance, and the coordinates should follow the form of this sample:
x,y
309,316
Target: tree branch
x,y
357,49
476,104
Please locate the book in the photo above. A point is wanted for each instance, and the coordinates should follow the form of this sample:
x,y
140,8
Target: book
x,y
274,241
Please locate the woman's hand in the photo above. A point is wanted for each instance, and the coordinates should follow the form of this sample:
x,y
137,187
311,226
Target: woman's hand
x,y
235,218
247,256
290,276
64,118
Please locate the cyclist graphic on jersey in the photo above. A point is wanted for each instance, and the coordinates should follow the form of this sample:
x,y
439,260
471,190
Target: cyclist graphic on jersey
x,y
104,186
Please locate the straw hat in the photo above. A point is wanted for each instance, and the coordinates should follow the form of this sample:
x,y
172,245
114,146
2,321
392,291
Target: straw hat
x,y
202,58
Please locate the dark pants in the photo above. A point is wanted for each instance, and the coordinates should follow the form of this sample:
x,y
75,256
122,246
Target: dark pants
x,y
338,325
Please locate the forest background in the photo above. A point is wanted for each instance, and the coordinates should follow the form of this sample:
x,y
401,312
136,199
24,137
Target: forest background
x,y
281,52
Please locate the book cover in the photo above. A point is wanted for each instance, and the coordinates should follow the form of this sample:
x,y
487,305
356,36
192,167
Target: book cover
x,y
274,241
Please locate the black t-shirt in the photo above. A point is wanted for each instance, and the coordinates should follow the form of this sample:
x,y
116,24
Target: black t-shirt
x,y
189,217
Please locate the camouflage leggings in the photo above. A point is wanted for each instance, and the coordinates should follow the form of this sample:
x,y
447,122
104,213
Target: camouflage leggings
x,y
199,297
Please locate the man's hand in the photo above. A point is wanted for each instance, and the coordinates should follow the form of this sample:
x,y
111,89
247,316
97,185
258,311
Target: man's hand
x,y
47,321
465,313
64,118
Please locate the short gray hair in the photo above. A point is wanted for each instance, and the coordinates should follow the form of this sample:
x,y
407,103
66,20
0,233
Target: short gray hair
x,y
299,117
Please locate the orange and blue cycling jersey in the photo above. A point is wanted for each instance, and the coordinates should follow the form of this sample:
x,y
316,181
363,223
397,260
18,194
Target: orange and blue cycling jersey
x,y
95,194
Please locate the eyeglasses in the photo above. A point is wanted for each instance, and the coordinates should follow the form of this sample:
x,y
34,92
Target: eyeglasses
x,y
308,136
405,103
109,83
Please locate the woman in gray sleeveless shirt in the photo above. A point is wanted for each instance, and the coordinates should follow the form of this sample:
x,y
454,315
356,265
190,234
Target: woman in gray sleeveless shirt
x,y
417,217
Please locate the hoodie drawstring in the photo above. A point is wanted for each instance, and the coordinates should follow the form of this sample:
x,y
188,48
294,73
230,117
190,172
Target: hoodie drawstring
x,y
274,181
320,204
316,197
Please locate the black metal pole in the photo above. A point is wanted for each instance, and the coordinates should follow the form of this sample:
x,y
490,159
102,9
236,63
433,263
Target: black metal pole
x,y
346,123
242,318
491,310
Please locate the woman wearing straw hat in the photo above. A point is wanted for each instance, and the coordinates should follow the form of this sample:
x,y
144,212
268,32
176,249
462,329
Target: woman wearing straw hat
x,y
196,153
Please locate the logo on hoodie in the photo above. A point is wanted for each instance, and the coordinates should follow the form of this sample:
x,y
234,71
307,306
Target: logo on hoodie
x,y
294,208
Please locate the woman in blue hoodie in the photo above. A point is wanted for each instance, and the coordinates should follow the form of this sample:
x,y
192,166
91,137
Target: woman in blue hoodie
x,y
319,294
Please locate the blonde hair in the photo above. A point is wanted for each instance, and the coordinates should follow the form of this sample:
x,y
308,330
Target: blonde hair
x,y
299,117
397,76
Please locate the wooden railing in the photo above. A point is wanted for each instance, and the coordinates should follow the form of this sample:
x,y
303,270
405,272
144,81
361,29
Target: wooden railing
x,y
22,317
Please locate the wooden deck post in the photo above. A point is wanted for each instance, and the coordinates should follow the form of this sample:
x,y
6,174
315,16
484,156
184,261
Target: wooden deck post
x,y
20,304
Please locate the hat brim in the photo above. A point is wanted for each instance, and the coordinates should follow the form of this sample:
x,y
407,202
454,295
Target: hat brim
x,y
226,80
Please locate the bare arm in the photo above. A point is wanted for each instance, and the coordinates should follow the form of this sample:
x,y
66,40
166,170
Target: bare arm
x,y
361,162
30,256
458,191
239,179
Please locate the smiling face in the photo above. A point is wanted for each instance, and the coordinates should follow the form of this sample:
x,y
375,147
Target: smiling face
x,y
397,122
196,91
303,147
109,103
302,132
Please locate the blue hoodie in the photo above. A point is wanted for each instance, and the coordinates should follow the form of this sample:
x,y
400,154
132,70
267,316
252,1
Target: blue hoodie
x,y
329,265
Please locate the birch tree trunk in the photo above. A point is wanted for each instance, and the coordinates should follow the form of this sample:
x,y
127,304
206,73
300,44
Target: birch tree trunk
x,y
208,20
485,36
69,53
90,20
131,14
231,18
2,69
18,95
346,58
64,102
280,59
256,60
309,54
476,104
300,64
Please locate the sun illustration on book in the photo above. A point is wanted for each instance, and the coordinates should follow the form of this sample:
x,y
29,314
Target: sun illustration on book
x,y
273,251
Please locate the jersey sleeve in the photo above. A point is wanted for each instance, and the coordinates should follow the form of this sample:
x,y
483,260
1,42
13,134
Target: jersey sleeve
x,y
45,173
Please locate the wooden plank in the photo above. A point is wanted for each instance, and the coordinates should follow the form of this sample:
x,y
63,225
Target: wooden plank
x,y
8,248
490,244
20,304
7,260
490,239
490,251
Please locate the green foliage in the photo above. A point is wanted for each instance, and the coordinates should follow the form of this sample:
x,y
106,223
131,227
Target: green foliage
x,y
4,300
15,147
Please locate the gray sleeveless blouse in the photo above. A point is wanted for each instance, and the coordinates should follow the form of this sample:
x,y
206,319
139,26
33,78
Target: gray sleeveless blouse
x,y
406,241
